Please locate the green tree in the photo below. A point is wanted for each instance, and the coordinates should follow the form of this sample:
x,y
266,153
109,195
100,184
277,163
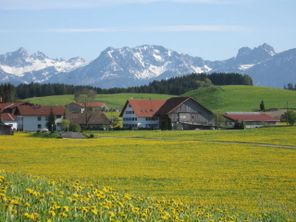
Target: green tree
x,y
116,123
291,117
51,126
262,106
86,96
74,127
65,124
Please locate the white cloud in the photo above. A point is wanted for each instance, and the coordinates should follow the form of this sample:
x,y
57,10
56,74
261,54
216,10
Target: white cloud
x,y
72,4
168,28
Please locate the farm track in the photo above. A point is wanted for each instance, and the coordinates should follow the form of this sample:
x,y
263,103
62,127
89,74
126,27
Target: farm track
x,y
207,141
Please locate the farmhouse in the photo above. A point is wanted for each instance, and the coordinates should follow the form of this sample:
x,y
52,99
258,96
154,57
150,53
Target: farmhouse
x,y
93,121
79,107
35,117
249,119
174,113
140,114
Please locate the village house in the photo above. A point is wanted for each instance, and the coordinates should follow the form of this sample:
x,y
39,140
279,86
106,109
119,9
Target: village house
x,y
35,117
249,119
92,121
76,107
140,114
174,113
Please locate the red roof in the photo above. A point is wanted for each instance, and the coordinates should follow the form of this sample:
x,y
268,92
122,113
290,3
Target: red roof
x,y
92,104
5,117
4,105
144,107
249,117
36,110
12,105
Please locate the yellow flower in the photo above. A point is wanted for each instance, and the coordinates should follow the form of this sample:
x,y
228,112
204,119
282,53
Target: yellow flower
x,y
2,179
51,213
31,216
65,208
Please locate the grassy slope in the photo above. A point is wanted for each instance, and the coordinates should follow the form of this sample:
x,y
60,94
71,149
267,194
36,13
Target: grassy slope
x,y
112,100
243,98
245,176
218,99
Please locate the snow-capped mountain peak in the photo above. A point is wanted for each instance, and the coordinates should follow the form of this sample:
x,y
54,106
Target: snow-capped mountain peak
x,y
131,66
20,63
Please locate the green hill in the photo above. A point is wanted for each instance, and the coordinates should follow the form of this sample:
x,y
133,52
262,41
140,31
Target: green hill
x,y
112,100
243,98
217,99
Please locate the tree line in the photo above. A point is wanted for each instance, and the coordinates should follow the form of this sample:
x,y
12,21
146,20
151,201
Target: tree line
x,y
174,86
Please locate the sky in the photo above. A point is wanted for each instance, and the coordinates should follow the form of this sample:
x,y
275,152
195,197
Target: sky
x,y
211,29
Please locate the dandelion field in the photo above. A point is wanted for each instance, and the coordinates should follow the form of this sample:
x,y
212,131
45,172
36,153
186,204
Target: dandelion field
x,y
243,180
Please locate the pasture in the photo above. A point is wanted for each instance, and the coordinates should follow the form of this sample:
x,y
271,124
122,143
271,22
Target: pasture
x,y
111,100
243,98
218,99
249,170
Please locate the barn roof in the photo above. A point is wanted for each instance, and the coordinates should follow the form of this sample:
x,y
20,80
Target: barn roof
x,y
173,103
7,105
249,116
144,107
5,117
37,110
97,118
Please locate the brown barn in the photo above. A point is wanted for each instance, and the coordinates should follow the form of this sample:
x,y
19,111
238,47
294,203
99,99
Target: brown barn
x,y
184,113
93,121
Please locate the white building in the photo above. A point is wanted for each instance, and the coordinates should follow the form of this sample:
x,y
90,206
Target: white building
x,y
34,117
140,114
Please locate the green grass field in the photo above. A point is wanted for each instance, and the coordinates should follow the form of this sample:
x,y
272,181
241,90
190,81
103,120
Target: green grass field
x,y
112,100
195,166
243,98
218,99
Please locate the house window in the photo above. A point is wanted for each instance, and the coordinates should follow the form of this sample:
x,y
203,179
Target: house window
x,y
39,118
39,126
58,116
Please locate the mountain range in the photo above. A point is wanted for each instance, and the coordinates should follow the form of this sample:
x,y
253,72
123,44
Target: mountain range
x,y
123,67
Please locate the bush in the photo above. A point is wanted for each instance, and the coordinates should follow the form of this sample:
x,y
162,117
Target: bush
x,y
74,127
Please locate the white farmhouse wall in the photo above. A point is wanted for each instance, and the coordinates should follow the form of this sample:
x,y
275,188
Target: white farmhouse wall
x,y
34,123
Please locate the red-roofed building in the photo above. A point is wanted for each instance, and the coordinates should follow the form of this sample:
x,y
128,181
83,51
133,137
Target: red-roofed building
x,y
35,117
174,113
250,119
140,113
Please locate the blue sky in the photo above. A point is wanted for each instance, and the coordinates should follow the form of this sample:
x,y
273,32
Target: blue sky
x,y
212,29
